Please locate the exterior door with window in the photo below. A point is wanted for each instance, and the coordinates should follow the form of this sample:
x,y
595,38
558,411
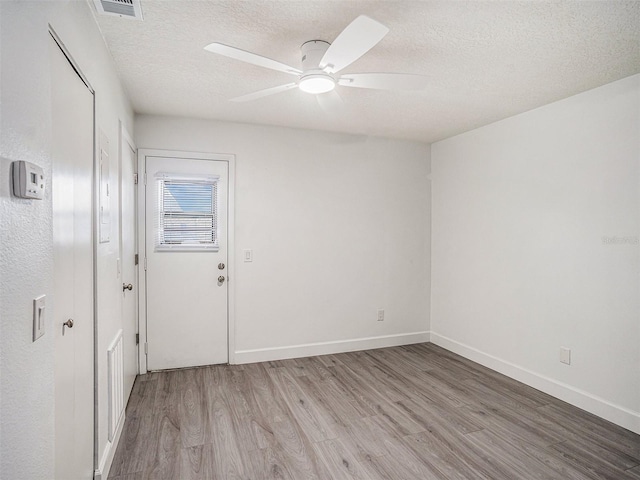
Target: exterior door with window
x,y
186,255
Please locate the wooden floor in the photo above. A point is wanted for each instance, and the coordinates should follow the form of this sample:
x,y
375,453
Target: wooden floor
x,y
414,412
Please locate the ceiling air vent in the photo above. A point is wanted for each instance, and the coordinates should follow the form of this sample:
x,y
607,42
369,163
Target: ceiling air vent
x,y
122,8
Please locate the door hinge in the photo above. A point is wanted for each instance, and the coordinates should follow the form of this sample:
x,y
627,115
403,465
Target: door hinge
x,y
136,259
146,348
135,178
137,338
145,178
145,264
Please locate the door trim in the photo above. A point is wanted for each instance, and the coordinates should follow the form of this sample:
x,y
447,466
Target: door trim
x,y
142,281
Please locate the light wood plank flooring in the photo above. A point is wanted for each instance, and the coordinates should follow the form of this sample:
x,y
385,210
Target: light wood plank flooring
x,y
413,412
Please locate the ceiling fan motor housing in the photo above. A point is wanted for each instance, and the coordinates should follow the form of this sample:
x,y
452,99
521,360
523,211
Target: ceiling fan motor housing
x,y
312,53
313,79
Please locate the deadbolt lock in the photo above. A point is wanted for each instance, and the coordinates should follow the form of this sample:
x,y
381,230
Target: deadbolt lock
x,y
221,266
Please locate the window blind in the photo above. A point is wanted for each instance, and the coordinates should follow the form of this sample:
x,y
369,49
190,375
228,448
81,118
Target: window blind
x,y
188,214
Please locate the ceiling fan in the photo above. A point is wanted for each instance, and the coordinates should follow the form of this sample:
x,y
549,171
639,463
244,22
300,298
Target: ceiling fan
x,y
322,62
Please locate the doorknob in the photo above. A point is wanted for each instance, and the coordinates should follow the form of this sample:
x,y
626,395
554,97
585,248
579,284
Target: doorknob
x,y
68,323
220,280
127,287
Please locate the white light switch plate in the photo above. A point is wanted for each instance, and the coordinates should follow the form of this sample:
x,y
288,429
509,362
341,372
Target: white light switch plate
x,y
565,355
38,317
248,255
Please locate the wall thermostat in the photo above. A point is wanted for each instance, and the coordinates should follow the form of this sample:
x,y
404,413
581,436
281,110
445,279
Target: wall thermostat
x,y
28,180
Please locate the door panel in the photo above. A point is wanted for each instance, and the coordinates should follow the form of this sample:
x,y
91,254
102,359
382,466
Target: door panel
x,y
129,269
186,304
72,177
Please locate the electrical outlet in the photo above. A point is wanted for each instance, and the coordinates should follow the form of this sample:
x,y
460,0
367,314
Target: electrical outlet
x,y
381,315
565,355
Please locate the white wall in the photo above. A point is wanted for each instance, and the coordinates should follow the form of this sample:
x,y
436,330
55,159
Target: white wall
x,y
524,211
339,227
26,262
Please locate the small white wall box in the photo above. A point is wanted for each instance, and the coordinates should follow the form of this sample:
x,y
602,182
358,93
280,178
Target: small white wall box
x,y
28,180
38,317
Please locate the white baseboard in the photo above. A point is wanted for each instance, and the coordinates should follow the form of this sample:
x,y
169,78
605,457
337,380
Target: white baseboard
x,y
591,403
325,348
102,472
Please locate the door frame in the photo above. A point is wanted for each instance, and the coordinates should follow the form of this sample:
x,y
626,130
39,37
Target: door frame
x,y
142,206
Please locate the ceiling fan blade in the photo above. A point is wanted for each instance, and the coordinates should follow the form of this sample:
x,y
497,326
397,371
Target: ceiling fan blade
x,y
264,93
248,57
354,41
384,81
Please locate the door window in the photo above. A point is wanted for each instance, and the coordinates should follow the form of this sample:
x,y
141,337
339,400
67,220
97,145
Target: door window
x,y
188,213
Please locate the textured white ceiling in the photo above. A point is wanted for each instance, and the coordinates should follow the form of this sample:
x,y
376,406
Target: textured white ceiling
x,y
486,60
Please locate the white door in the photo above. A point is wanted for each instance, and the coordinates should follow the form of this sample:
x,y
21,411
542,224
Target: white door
x,y
186,251
72,177
128,261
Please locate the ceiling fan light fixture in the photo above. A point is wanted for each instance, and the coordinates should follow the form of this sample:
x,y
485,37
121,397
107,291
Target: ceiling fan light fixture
x,y
322,61
317,83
